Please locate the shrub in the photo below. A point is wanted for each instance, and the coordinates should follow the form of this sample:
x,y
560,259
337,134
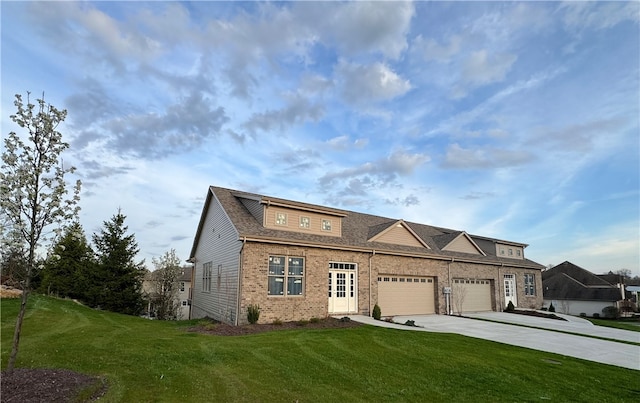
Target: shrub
x,y
510,307
314,320
611,312
277,322
583,315
253,313
410,323
377,314
345,319
552,308
596,315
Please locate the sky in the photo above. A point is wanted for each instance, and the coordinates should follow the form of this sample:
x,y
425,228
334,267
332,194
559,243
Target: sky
x,y
513,120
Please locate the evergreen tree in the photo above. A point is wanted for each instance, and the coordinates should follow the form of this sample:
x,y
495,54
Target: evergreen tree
x,y
116,281
69,263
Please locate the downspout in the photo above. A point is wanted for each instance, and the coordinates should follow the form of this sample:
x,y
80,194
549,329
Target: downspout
x,y
244,241
373,252
448,296
193,279
500,289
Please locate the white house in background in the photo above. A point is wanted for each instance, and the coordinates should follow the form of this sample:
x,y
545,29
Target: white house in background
x,y
182,298
574,290
184,294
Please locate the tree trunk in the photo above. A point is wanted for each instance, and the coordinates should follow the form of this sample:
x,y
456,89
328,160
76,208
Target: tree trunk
x,y
23,309
16,333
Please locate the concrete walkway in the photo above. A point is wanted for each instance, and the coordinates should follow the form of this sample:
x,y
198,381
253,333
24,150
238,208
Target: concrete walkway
x,y
586,348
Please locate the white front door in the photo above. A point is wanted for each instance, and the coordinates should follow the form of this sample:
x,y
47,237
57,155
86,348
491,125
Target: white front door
x,y
342,290
510,290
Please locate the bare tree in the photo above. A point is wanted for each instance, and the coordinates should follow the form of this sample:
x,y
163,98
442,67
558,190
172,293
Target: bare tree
x,y
459,293
33,191
165,285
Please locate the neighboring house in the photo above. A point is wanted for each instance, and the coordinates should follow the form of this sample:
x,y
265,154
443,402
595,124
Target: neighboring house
x,y
298,261
182,298
574,290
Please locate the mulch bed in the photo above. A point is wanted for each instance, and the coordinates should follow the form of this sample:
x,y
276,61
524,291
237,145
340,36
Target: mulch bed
x,y
537,314
212,327
42,385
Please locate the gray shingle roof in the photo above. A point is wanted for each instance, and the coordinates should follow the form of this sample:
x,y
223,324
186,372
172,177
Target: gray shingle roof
x,y
568,281
357,229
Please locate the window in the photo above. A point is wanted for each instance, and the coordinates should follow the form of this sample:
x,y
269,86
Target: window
x,y
529,284
510,252
206,276
326,225
182,286
305,222
281,219
286,275
518,252
184,303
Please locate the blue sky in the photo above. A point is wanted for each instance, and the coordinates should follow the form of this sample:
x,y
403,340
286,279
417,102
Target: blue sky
x,y
518,121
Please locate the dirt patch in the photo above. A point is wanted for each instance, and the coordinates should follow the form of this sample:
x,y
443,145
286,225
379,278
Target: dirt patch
x,y
35,385
209,326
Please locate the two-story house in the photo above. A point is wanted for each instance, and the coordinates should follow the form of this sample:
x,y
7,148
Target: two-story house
x,y
297,261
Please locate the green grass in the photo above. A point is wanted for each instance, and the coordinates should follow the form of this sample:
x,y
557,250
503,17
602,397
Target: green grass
x,y
153,361
627,324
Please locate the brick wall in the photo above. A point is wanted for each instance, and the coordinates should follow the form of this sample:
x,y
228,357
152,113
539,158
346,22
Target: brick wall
x,y
314,302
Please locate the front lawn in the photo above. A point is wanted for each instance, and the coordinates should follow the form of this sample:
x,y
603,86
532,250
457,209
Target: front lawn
x,y
154,361
625,324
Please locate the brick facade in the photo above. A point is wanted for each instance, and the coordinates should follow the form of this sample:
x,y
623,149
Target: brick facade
x,y
314,302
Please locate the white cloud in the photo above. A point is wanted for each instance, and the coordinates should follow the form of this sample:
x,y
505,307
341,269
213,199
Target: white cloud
x,y
458,157
431,50
578,16
365,84
480,68
362,27
383,170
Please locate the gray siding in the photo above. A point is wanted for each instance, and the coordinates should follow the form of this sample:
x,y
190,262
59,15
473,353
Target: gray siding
x,y
219,245
255,208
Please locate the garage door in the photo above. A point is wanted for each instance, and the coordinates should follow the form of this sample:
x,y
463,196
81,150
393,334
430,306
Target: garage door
x,y
406,295
476,295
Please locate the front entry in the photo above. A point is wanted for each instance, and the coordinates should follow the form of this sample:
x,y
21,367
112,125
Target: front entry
x,y
510,290
342,288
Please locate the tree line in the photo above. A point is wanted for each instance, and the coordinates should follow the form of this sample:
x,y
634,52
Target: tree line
x,y
34,197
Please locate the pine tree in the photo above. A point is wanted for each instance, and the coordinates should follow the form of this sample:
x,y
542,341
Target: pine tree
x,y
116,281
66,269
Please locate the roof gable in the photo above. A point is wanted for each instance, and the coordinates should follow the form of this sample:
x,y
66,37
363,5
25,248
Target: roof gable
x,y
398,233
461,242
577,273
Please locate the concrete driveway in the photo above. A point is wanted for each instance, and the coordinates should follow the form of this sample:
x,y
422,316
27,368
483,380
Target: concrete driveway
x,y
550,340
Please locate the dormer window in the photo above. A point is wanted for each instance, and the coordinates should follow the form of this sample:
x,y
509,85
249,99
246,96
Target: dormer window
x,y
305,222
510,252
326,225
281,219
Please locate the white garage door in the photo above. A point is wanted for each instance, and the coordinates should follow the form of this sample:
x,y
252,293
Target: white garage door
x,y
406,295
476,295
